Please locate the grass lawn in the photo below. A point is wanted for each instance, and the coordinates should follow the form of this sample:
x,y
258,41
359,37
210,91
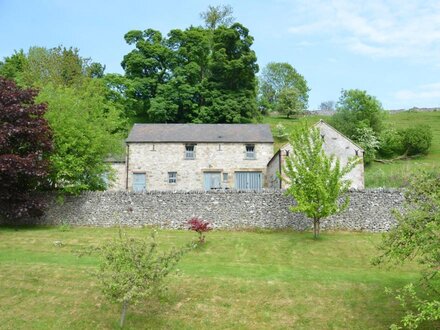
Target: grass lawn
x,y
385,175
244,280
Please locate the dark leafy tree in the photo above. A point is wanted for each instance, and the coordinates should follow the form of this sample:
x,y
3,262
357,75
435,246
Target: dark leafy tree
x,y
193,75
25,140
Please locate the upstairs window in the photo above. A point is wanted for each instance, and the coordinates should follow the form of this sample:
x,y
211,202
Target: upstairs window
x,y
189,151
172,177
250,151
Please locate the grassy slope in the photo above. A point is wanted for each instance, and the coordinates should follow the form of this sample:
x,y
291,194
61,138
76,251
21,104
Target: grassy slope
x,y
255,280
388,175
397,173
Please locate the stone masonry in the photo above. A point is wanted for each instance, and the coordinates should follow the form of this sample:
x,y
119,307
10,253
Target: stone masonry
x,y
157,159
369,210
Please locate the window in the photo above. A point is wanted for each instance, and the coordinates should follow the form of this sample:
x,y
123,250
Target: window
x,y
189,151
250,151
139,182
105,179
172,177
225,177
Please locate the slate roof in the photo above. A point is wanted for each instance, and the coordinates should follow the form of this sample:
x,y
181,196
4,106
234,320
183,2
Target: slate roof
x,y
193,133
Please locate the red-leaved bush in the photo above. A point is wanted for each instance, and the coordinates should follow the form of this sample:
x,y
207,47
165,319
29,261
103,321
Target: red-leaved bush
x,y
199,226
25,141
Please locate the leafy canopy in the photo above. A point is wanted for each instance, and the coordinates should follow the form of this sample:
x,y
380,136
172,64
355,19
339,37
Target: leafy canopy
x,y
25,141
87,129
280,85
417,237
86,116
315,179
192,75
289,102
217,15
356,109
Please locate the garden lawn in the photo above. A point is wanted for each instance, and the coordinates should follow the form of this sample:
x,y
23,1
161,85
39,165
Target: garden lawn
x,y
245,280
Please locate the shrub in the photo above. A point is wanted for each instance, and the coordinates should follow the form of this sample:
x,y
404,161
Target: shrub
x,y
367,139
417,139
416,238
132,269
391,143
199,226
280,131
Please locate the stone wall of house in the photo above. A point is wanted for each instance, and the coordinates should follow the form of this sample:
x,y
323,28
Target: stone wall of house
x,y
156,160
273,169
334,144
369,210
119,175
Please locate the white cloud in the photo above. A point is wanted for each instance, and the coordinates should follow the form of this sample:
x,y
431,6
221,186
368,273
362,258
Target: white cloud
x,y
422,92
377,28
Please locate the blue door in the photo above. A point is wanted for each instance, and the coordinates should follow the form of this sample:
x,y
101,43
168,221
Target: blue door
x,y
212,180
139,182
248,180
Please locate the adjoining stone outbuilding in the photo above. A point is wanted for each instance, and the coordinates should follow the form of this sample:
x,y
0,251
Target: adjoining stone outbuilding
x,y
334,143
195,157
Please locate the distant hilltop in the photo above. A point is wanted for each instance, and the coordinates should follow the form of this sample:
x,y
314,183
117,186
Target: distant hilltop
x,y
331,112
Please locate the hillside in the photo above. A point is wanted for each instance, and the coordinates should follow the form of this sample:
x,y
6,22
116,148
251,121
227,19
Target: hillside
x,y
377,174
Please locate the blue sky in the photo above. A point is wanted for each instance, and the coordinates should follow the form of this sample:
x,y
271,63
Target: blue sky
x,y
390,48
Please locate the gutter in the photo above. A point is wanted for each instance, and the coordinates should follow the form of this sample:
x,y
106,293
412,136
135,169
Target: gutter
x,y
280,169
127,167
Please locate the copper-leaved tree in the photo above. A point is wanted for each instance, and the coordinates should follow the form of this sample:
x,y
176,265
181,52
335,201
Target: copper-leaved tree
x,y
25,141
315,179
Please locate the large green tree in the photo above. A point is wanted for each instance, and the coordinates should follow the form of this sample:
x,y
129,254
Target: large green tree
x,y
87,129
281,84
192,75
315,179
84,113
41,66
289,103
357,109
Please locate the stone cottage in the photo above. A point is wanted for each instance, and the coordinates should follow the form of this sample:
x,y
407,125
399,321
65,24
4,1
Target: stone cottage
x,y
334,143
195,157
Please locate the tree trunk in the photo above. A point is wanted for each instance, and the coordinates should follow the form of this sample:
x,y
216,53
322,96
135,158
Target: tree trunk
x,y
318,224
314,229
124,311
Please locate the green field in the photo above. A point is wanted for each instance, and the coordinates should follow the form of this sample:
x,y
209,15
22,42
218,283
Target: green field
x,y
240,280
386,175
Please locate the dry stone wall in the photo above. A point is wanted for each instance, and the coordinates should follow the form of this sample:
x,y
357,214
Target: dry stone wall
x,y
369,210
